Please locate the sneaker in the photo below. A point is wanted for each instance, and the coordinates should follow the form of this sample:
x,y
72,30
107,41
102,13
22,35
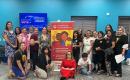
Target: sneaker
x,y
100,71
89,72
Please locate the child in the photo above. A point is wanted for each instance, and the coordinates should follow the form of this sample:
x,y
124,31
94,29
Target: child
x,y
83,64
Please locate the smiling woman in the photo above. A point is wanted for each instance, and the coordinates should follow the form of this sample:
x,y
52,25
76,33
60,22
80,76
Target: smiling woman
x,y
68,66
11,44
121,40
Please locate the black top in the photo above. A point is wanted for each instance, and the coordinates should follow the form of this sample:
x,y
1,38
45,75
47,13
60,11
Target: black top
x,y
42,61
34,48
19,55
76,41
120,41
109,41
99,43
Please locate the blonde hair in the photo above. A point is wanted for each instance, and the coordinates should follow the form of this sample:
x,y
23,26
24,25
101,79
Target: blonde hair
x,y
123,29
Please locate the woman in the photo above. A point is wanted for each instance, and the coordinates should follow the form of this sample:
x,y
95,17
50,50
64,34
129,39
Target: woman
x,y
87,47
68,66
80,34
109,28
121,41
124,30
23,37
17,32
109,53
34,47
44,63
94,35
20,66
11,44
44,39
99,56
31,30
76,46
110,40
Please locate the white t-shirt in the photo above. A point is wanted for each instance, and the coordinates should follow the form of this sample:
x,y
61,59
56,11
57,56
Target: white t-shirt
x,y
81,62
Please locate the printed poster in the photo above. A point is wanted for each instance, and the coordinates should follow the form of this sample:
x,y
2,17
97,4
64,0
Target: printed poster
x,y
61,40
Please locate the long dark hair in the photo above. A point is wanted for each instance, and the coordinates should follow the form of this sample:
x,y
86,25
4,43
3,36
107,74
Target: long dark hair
x,y
76,32
46,29
6,27
43,50
101,33
110,27
19,30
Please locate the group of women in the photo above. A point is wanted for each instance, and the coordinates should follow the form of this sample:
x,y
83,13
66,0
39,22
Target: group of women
x,y
24,49
101,50
28,47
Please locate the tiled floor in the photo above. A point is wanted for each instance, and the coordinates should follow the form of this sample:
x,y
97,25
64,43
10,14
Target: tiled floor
x,y
126,75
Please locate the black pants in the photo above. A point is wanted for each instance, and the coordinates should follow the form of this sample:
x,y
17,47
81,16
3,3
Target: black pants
x,y
99,58
115,66
34,59
76,54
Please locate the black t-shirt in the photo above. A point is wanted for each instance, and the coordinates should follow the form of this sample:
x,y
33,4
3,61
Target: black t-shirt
x,y
109,41
120,41
76,41
19,55
34,48
99,43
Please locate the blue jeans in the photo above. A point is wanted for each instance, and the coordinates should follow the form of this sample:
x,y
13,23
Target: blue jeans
x,y
17,71
83,70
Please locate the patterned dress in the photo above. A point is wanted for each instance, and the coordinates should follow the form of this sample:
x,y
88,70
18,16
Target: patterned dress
x,y
9,50
44,41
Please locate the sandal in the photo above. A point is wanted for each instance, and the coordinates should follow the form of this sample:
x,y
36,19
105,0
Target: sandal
x,y
11,75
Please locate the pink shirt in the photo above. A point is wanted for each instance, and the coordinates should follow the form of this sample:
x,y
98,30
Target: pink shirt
x,y
24,38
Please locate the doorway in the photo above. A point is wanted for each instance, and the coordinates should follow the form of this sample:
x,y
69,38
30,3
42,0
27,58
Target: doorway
x,y
85,22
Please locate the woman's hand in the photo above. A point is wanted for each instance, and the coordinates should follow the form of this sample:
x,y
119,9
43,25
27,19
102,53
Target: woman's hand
x,y
14,46
71,68
48,66
98,48
74,45
88,52
68,68
23,72
32,42
65,68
